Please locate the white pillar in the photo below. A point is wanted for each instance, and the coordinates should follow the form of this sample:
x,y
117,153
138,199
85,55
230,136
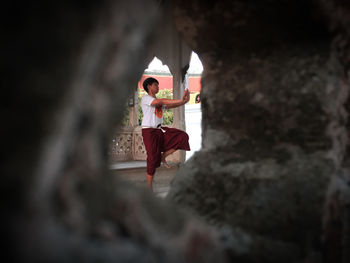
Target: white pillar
x,y
179,113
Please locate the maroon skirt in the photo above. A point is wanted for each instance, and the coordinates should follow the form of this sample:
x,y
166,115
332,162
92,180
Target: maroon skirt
x,y
156,141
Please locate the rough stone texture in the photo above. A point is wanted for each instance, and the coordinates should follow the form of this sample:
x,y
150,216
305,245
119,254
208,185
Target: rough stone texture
x,y
274,96
67,70
336,218
275,127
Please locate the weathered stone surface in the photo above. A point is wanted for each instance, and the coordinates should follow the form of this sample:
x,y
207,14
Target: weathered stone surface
x,y
259,196
273,97
275,126
241,246
67,69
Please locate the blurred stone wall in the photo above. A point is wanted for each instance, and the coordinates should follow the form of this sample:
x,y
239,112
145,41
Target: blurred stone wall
x,y
275,133
67,70
274,101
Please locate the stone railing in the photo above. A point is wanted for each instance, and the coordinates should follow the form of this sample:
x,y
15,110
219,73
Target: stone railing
x,y
127,145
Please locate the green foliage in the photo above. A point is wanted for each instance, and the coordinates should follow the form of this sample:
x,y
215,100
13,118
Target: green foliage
x,y
168,115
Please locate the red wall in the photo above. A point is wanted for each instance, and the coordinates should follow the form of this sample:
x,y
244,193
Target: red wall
x,y
194,84
166,82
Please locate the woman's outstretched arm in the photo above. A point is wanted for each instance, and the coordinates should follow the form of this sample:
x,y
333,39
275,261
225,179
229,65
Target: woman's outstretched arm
x,y
171,103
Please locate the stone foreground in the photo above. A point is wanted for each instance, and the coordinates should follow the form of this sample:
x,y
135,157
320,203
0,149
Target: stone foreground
x,y
275,132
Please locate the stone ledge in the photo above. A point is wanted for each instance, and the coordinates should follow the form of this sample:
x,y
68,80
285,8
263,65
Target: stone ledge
x,y
136,165
128,165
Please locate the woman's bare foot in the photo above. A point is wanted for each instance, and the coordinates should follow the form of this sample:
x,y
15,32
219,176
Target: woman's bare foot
x,y
149,182
164,161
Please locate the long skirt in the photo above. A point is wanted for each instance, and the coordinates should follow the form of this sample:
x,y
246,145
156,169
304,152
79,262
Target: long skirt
x,y
156,141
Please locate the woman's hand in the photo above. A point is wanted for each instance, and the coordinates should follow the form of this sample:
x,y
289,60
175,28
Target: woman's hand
x,y
186,96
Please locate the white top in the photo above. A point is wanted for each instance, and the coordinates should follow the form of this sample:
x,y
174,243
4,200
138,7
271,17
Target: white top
x,y
152,116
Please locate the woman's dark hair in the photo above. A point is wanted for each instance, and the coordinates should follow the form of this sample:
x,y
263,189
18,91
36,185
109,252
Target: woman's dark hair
x,y
149,81
198,98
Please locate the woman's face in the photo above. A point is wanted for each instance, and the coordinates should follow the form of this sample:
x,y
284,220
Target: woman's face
x,y
154,88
